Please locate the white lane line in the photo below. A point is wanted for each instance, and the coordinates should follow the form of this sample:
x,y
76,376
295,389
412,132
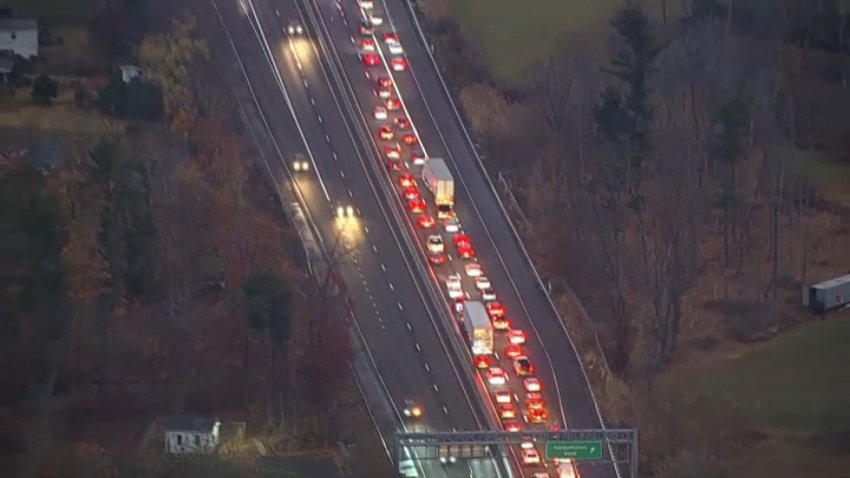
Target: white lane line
x,y
312,101
445,409
391,285
320,118
327,138
336,158
383,268
400,307
374,249
341,173
407,324
427,367
436,388
418,348
450,257
350,194
366,228
306,85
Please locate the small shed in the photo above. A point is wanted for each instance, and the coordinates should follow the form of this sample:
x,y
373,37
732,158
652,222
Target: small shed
x,y
191,435
828,295
19,36
129,72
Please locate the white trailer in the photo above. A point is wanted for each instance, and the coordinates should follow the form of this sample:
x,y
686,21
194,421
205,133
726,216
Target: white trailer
x,y
478,328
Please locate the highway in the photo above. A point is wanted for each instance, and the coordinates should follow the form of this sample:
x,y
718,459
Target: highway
x,y
428,105
392,312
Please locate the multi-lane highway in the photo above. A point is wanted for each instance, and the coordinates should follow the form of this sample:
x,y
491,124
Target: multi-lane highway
x,y
319,79
391,311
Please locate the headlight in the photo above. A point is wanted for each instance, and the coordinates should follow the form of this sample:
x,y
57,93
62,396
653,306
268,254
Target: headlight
x,y
290,30
299,30
340,211
452,459
443,460
296,165
349,211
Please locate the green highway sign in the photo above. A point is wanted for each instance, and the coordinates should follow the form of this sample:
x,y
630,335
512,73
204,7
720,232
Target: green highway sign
x,y
577,450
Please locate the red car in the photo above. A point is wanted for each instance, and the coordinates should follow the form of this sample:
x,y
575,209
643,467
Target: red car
x,y
537,415
465,252
385,133
393,164
483,362
426,222
507,411
512,426
402,123
393,104
398,64
534,401
410,192
390,37
437,259
409,139
393,151
513,351
501,323
516,336
495,309
405,180
367,44
385,82
461,239
416,206
371,59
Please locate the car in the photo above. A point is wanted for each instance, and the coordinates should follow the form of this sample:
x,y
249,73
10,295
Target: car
x,y
537,415
380,113
294,28
410,192
417,157
371,59
385,82
494,309
393,104
398,64
482,282
395,48
409,139
534,401
385,133
527,444
412,409
506,411
512,426
406,179
367,44
531,384
366,28
512,351
473,269
466,252
487,294
453,282
455,293
483,362
495,375
451,225
402,123
393,151
425,221
501,323
393,164
523,366
503,396
300,163
366,4
530,456
390,37
458,304
376,19
383,92
435,244
344,211
437,259
516,336
461,240
416,206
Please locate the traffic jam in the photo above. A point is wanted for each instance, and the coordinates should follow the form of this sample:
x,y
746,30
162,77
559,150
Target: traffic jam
x,y
427,190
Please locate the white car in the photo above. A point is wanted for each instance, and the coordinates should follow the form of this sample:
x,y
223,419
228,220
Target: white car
x,y
451,225
380,113
488,294
503,396
531,384
366,4
496,376
482,283
435,244
473,269
395,48
376,19
530,456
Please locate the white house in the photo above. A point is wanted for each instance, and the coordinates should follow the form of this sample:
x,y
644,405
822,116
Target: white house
x,y
19,36
128,72
191,435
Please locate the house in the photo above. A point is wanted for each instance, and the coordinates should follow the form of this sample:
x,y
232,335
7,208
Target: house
x,y
19,36
191,435
128,72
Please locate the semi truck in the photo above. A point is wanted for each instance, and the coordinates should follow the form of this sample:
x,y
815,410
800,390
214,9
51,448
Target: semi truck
x,y
478,328
440,182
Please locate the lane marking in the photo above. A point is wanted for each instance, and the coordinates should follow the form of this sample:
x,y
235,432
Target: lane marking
x,y
427,367
350,194
400,307
320,118
391,286
327,138
305,83
383,268
374,248
445,409
436,388
418,348
408,325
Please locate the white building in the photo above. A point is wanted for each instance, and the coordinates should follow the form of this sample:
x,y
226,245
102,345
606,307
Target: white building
x,y
191,435
19,36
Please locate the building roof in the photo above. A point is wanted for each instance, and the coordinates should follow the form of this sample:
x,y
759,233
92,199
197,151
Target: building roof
x,y
17,24
835,281
190,424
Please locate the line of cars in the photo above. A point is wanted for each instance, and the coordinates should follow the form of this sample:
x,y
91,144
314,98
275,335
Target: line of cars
x,y
402,155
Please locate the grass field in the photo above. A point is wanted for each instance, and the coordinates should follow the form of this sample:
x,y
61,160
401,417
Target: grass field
x,y
513,34
829,177
796,388
66,10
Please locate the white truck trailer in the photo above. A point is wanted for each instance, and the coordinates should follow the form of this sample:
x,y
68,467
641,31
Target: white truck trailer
x,y
440,182
478,328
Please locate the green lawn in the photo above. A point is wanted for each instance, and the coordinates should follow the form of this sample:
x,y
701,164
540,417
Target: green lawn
x,y
829,177
798,382
65,10
513,34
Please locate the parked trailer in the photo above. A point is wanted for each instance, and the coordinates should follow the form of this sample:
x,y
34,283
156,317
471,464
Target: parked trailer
x,y
829,295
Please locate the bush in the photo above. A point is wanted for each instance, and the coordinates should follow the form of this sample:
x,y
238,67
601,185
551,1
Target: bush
x,y
44,90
